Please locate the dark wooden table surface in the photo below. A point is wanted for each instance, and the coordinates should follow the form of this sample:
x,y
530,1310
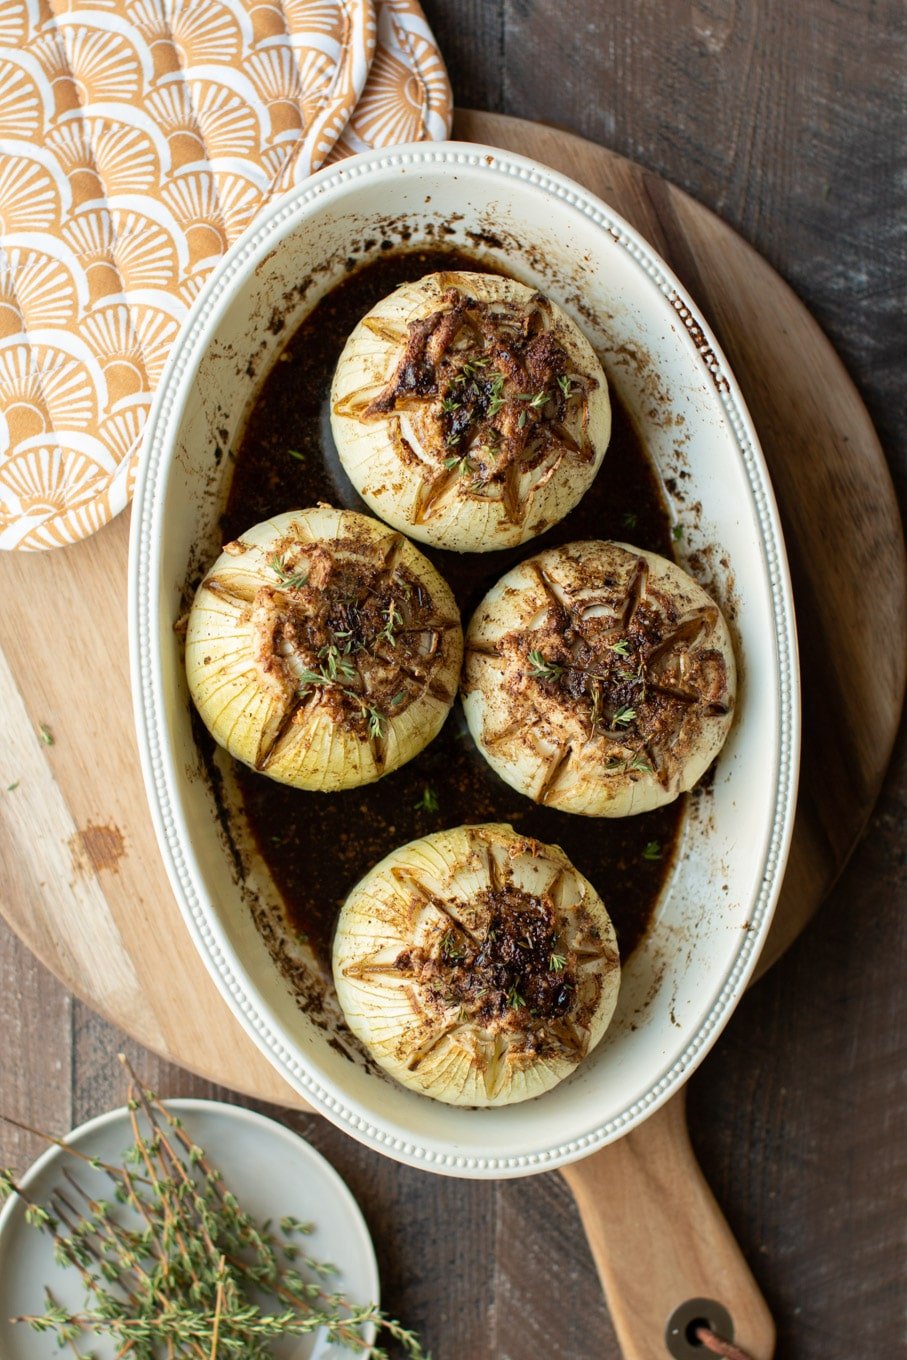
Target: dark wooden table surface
x,y
789,121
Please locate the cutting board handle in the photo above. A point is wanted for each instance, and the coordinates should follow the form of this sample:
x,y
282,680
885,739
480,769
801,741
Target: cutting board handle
x,y
660,1240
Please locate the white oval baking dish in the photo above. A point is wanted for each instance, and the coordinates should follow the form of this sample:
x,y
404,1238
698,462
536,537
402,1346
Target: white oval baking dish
x,y
680,985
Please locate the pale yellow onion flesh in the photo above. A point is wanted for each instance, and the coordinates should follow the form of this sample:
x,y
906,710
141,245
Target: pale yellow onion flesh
x,y
391,460
264,721
430,1034
550,748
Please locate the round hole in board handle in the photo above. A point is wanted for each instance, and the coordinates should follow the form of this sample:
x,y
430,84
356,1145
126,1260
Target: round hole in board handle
x,y
680,1333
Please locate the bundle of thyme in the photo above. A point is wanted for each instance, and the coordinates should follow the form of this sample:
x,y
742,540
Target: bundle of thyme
x,y
186,1273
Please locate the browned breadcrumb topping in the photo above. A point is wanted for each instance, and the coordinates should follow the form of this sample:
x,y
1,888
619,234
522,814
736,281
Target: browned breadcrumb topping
x,y
641,677
513,965
348,629
500,396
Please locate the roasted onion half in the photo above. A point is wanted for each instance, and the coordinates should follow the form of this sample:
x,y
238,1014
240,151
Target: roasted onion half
x,y
323,649
599,679
477,966
470,411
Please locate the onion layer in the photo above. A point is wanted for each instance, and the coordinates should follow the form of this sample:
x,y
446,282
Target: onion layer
x,y
323,649
477,966
599,679
470,411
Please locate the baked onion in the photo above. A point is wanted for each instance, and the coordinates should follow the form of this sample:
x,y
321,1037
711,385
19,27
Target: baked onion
x,y
323,649
470,411
599,679
477,966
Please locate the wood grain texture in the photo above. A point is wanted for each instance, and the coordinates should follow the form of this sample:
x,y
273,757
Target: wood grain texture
x,y
798,1117
659,1239
85,886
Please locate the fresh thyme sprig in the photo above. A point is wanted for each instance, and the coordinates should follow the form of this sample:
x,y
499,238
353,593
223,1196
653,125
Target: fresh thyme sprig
x,y
174,1267
496,399
428,802
337,662
376,721
624,716
633,763
288,578
392,621
540,669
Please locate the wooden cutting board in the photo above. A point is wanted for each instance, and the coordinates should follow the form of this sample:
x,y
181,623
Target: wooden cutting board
x,y
83,884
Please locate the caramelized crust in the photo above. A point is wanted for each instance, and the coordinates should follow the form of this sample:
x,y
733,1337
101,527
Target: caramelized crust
x,y
614,669
477,965
470,411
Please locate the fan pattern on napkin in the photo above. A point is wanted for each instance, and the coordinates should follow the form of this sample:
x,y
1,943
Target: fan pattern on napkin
x,y
138,140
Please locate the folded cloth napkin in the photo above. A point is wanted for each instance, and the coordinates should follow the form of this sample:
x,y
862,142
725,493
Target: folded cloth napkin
x,y
138,139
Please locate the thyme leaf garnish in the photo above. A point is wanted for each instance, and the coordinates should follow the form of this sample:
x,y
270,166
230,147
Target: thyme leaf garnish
x,y
496,399
337,662
392,621
428,802
557,963
291,580
540,669
652,850
376,721
452,947
634,763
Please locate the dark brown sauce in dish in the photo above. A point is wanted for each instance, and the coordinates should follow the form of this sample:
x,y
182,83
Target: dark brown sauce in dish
x,y
316,845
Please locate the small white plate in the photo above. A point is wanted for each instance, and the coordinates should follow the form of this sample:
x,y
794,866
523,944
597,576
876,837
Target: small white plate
x,y
273,1173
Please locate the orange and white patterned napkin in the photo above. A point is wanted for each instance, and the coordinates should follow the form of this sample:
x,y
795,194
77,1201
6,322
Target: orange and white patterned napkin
x,y
138,139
